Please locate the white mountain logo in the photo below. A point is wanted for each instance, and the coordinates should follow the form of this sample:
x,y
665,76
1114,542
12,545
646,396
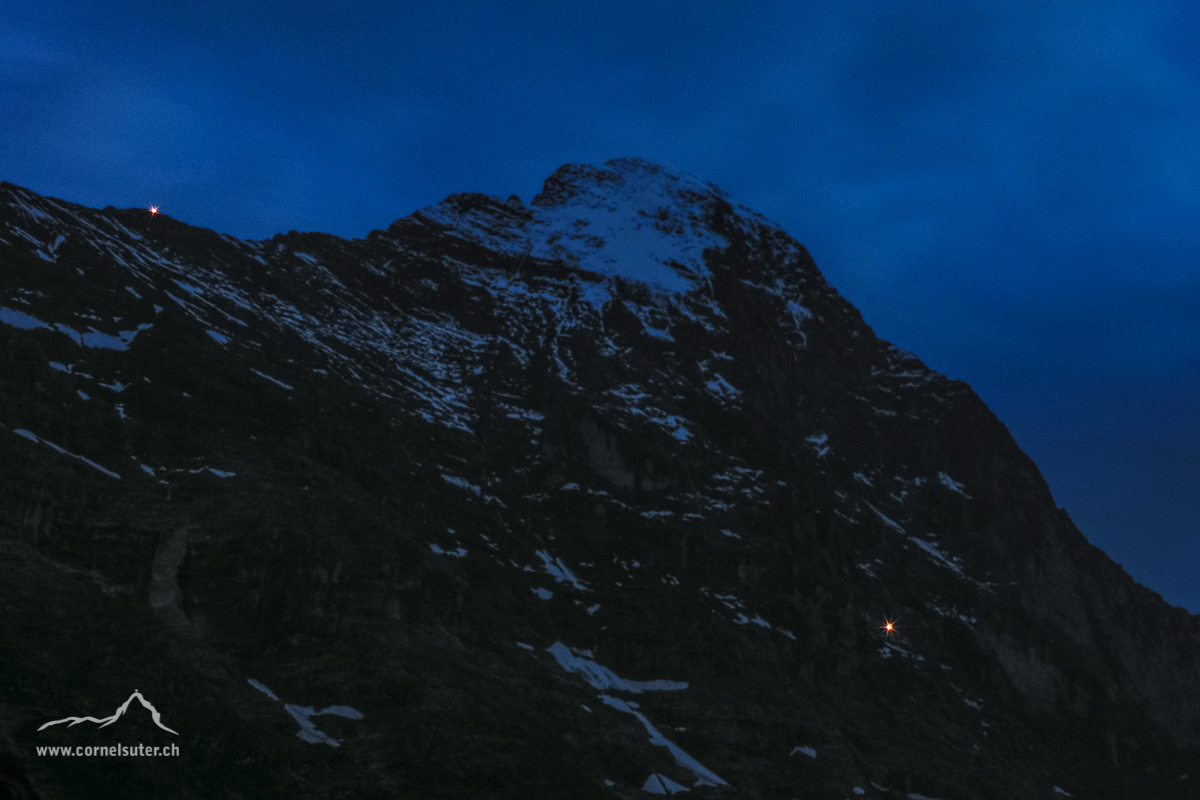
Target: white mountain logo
x,y
116,716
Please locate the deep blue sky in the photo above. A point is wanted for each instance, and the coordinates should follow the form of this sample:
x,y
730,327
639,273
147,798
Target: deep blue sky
x,y
1011,190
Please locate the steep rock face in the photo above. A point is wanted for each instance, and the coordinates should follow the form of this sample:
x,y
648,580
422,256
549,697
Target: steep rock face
x,y
602,495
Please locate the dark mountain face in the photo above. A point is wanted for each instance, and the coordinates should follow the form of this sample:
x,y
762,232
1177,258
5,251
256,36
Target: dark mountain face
x,y
606,495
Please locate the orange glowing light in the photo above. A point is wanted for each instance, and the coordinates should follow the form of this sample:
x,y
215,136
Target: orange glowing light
x,y
153,210
888,627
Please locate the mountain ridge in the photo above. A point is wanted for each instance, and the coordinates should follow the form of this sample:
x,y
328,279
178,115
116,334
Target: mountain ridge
x,y
395,449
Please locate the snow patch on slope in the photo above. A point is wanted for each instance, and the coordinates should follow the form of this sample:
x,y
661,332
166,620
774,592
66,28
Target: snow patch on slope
x,y
704,776
604,678
33,437
308,731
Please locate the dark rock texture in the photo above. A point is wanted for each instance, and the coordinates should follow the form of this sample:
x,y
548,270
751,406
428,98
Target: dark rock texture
x,y
468,484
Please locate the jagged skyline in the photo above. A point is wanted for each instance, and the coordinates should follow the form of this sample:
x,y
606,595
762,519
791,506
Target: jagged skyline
x,y
1008,190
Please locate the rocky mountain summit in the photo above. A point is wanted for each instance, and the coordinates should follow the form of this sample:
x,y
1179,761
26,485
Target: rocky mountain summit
x,y
604,496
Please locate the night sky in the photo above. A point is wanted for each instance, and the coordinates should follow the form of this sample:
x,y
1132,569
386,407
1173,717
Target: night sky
x,y
1011,190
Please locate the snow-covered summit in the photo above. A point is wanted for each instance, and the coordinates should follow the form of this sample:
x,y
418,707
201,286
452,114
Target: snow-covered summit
x,y
630,218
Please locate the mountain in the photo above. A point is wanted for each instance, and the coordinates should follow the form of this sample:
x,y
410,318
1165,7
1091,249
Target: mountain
x,y
606,495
